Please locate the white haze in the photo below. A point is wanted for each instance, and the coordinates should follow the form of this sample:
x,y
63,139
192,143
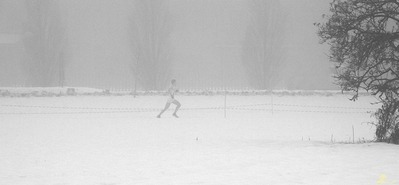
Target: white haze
x,y
206,41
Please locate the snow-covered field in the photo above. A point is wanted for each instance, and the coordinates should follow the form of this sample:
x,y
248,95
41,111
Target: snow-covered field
x,y
115,140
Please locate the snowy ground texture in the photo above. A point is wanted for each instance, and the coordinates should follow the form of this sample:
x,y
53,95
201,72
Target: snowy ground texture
x,y
115,140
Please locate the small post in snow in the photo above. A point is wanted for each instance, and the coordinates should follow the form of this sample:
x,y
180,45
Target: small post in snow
x,y
135,87
271,95
353,133
225,100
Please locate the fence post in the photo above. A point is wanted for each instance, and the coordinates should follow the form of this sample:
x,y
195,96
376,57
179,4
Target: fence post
x,y
353,132
225,102
135,88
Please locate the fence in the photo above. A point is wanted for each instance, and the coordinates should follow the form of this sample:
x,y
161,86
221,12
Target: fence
x,y
181,89
268,107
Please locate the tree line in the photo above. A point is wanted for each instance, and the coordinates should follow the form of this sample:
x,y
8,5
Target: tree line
x,y
151,24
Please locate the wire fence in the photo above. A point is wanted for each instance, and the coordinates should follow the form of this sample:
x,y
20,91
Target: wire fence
x,y
266,107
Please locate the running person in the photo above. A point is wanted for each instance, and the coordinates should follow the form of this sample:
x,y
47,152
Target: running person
x,y
171,99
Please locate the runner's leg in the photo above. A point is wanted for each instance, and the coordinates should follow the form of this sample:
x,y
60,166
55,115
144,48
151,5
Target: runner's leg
x,y
166,108
177,103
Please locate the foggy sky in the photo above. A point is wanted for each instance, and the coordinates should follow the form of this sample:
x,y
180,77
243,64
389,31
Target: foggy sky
x,y
206,41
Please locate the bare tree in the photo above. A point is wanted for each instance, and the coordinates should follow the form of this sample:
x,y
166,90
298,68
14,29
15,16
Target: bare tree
x,y
45,43
150,31
263,47
364,46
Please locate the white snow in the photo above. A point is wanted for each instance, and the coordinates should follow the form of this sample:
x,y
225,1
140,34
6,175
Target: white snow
x,y
56,90
117,140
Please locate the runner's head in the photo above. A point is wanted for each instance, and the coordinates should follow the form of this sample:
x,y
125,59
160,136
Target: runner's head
x,y
173,82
